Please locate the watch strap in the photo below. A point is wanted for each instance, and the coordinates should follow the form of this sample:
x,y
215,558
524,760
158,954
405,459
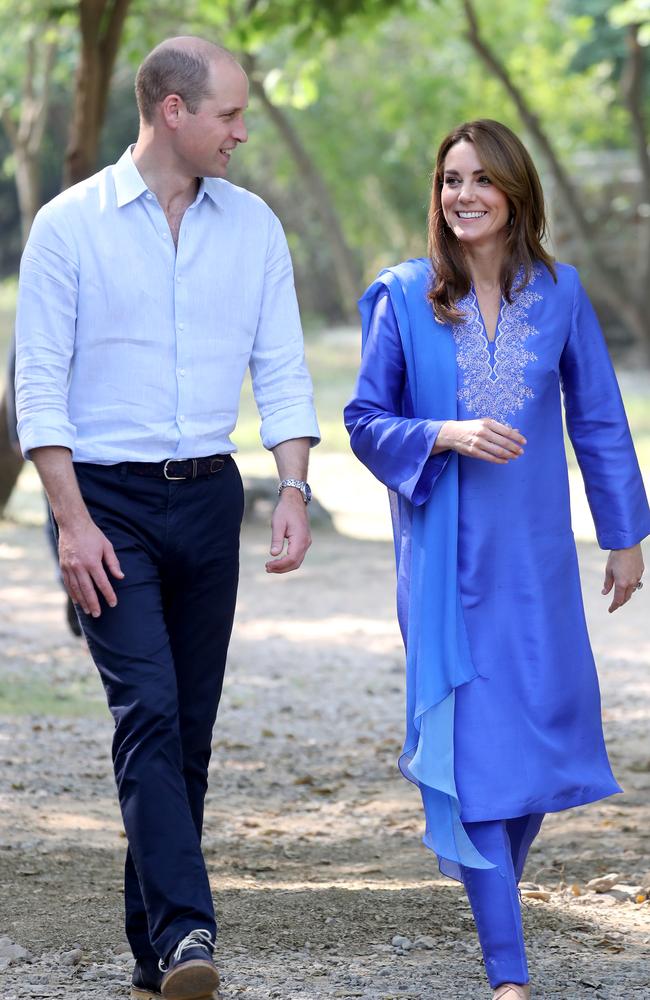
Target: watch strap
x,y
298,484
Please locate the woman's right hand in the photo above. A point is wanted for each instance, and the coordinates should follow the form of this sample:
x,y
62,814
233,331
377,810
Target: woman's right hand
x,y
486,439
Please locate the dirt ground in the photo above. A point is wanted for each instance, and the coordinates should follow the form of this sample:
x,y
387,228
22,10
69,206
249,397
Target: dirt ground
x,y
312,837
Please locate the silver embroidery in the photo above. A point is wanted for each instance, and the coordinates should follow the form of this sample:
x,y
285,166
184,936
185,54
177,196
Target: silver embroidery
x,y
495,388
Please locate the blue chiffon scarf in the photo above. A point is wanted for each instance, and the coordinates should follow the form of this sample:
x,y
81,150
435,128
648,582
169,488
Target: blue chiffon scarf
x,y
426,550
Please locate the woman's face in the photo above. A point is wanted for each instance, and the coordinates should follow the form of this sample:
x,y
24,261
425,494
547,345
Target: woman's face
x,y
475,210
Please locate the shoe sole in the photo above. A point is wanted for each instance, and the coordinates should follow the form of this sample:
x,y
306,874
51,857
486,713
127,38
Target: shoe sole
x,y
138,994
193,980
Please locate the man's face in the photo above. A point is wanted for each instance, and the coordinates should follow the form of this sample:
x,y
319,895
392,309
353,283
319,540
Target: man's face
x,y
205,140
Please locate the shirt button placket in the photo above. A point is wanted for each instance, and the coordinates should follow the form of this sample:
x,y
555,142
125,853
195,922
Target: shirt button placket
x,y
180,370
180,346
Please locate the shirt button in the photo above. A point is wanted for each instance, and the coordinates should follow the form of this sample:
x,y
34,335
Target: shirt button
x,y
181,326
165,236
181,371
178,279
149,196
182,418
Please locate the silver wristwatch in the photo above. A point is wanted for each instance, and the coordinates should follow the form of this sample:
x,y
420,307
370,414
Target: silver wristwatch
x,y
299,484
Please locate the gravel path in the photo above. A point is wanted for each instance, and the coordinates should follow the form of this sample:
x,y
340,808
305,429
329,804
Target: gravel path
x,y
322,886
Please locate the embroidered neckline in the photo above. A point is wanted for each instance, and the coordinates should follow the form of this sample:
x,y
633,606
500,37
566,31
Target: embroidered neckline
x,y
493,383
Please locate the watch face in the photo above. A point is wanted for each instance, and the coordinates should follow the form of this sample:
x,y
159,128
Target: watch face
x,y
308,492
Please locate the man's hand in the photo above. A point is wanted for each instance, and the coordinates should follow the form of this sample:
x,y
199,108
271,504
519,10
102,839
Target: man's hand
x,y
486,439
83,552
83,549
290,521
623,572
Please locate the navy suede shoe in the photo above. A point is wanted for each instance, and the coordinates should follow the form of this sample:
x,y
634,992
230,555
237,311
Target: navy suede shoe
x,y
146,980
190,973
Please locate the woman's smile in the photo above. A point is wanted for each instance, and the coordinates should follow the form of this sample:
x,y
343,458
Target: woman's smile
x,y
469,197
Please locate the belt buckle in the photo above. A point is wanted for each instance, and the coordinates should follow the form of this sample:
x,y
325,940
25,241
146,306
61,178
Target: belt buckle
x,y
216,464
171,479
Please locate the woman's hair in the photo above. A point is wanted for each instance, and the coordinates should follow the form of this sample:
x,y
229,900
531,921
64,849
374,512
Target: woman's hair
x,y
508,164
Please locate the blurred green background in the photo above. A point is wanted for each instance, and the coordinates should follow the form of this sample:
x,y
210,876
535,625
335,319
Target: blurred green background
x,y
349,101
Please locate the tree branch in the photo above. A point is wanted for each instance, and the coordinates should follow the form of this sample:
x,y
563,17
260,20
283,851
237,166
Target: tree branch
x,y
40,115
90,18
9,124
632,88
28,78
626,301
109,44
633,91
530,120
344,263
100,24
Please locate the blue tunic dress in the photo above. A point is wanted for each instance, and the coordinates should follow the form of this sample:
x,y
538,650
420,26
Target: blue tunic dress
x,y
527,733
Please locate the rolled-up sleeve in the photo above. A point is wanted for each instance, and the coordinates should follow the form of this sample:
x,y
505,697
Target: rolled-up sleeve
x,y
45,333
281,383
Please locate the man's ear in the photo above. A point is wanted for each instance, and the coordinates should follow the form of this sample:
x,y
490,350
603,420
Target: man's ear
x,y
171,110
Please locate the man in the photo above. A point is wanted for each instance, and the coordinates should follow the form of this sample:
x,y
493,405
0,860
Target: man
x,y
145,292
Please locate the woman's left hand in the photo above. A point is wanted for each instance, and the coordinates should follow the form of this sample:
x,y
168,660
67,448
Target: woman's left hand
x,y
623,572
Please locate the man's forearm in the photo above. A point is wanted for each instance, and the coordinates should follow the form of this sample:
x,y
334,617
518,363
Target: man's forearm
x,y
292,458
55,468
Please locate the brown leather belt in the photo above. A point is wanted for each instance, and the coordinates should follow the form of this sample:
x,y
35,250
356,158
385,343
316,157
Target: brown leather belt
x,y
181,468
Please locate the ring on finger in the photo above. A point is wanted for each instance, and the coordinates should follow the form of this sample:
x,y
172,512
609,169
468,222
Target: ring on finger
x,y
639,585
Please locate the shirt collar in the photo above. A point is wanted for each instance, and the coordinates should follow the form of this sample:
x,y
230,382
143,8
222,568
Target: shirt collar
x,y
129,183
212,186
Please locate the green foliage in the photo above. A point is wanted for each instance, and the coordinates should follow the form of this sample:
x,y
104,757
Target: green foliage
x,y
605,46
297,90
632,12
251,23
386,97
38,23
371,86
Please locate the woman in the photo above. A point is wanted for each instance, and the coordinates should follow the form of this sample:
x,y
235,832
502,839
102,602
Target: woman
x,y
457,410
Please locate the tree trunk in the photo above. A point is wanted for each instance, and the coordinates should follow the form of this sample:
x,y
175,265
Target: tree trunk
x,y
28,177
26,135
100,24
621,296
26,138
633,90
346,268
11,461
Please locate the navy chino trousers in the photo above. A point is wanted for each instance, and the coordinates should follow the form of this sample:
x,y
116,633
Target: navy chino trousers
x,y
161,654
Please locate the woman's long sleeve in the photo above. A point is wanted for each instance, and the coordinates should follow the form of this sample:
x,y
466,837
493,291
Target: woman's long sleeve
x,y
384,435
600,434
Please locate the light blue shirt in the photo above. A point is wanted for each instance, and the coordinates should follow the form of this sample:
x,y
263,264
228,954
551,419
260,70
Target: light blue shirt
x,y
129,349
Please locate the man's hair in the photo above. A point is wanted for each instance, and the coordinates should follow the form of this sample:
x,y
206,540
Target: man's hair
x,y
166,71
